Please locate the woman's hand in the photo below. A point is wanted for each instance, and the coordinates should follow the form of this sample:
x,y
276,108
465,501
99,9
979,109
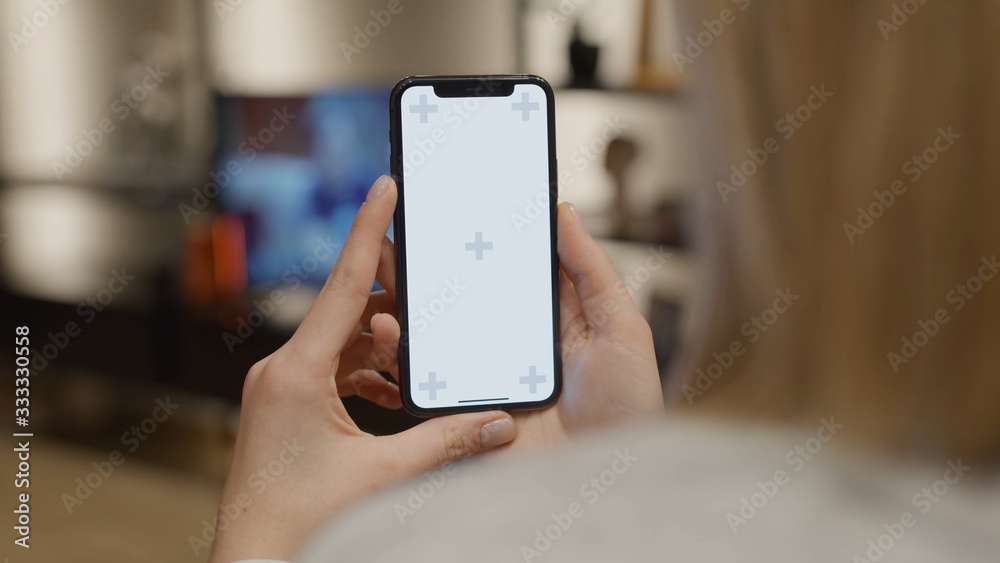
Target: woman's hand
x,y
299,457
609,368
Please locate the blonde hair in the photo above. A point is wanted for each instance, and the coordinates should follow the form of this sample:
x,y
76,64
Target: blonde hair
x,y
861,290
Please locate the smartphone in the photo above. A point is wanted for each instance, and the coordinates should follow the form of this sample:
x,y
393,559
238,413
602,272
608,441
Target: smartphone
x,y
477,274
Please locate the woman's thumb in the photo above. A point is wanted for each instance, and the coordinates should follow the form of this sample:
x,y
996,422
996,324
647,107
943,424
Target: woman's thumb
x,y
449,438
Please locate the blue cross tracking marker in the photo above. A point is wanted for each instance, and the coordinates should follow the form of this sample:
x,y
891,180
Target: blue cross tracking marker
x,y
432,385
524,106
479,246
532,380
423,108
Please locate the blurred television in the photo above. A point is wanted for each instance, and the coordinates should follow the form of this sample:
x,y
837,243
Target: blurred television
x,y
298,169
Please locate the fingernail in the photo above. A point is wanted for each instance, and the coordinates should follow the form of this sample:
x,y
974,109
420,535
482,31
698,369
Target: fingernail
x,y
572,209
378,187
496,432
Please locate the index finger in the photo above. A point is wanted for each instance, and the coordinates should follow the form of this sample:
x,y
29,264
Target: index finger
x,y
330,321
386,273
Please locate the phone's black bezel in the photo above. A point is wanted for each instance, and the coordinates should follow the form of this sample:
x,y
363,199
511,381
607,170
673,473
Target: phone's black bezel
x,y
468,86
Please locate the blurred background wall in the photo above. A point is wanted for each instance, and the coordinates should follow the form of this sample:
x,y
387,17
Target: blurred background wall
x,y
166,165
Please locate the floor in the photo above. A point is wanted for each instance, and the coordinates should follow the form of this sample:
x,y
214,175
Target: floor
x,y
140,512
